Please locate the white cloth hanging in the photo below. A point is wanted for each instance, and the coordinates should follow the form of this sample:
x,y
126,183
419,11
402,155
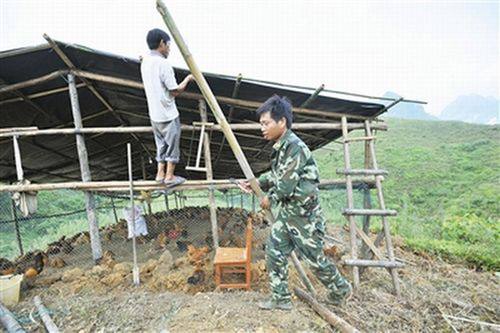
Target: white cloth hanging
x,y
141,228
26,201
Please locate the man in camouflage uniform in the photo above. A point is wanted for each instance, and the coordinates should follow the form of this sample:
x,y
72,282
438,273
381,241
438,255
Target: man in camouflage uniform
x,y
293,185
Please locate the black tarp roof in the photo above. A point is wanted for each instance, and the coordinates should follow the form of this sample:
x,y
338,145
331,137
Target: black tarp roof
x,y
54,158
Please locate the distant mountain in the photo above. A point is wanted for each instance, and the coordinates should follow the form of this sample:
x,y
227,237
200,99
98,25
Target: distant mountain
x,y
406,110
472,109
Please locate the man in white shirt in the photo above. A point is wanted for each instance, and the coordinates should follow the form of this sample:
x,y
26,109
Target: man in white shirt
x,y
161,89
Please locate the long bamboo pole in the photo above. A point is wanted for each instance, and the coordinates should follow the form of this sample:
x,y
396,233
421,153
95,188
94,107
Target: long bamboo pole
x,y
195,96
152,185
148,129
35,81
219,115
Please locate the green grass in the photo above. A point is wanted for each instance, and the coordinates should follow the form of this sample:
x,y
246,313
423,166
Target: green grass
x,y
443,180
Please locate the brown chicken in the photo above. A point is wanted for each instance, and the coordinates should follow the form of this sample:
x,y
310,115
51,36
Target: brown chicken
x,y
196,256
31,264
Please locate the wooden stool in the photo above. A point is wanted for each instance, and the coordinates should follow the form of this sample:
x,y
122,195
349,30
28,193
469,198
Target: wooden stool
x,y
235,260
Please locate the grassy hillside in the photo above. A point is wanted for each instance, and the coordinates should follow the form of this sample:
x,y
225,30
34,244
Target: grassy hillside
x,y
443,180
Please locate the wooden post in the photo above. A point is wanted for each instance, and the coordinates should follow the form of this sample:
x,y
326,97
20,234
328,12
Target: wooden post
x,y
350,205
95,241
114,209
16,224
208,165
217,111
367,202
135,270
144,176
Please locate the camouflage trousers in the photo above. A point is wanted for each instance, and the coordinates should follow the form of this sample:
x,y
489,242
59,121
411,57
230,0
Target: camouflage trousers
x,y
300,229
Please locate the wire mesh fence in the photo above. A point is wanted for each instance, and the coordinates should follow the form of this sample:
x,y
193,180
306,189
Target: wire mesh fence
x,y
59,228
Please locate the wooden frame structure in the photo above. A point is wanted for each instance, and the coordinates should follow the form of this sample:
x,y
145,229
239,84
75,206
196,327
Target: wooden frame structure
x,y
332,121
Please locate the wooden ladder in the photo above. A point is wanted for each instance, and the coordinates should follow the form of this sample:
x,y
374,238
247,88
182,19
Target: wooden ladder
x,y
371,169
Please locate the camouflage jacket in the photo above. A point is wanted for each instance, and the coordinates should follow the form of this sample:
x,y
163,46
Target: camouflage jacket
x,y
294,175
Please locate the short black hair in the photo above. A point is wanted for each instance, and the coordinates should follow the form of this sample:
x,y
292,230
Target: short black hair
x,y
278,107
154,38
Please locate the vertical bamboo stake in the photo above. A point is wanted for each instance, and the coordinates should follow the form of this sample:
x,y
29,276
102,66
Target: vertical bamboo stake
x,y
217,112
95,242
208,165
135,270
385,223
350,205
114,209
16,225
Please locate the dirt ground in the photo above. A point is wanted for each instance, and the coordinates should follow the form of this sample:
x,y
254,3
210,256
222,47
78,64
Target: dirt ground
x,y
87,298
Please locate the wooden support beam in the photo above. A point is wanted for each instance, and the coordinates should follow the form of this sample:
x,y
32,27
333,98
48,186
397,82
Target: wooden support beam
x,y
369,243
35,81
371,212
148,129
149,185
313,96
208,166
95,241
373,263
350,206
244,104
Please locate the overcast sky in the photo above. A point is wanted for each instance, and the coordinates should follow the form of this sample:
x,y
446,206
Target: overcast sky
x,y
427,50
